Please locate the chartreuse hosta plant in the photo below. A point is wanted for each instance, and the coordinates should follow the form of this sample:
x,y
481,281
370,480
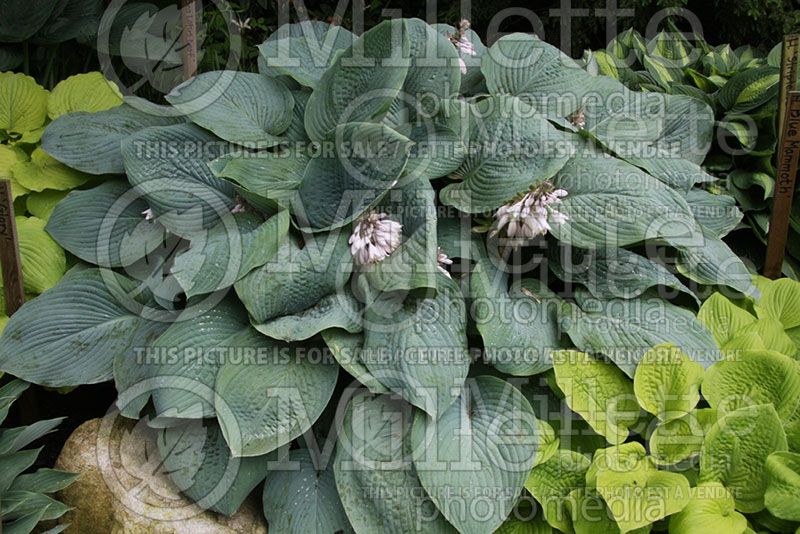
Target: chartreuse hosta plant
x,y
334,276
24,494
741,86
38,181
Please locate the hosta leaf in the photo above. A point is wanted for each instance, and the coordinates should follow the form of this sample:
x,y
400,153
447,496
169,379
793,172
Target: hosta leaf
x,y
241,107
472,79
346,348
23,102
336,188
523,65
296,278
266,403
414,263
304,57
681,439
43,203
717,213
749,378
233,247
184,376
780,300
375,476
105,226
723,318
71,334
749,89
770,331
43,261
270,175
363,81
625,329
599,392
606,198
90,142
337,310
44,480
83,92
590,515
552,482
735,450
710,509
524,525
418,331
519,343
782,496
630,458
489,176
10,156
612,272
179,187
453,453
14,439
198,461
20,19
44,172
667,382
434,71
303,499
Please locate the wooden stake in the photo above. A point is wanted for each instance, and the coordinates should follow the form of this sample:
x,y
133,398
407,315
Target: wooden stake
x,y
189,37
788,156
9,251
789,53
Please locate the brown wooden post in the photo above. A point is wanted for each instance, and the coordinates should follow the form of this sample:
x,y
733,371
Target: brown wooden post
x,y
9,251
189,37
788,156
789,53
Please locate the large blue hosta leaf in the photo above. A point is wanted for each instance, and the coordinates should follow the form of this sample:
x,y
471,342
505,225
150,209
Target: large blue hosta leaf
x,y
363,81
90,142
338,187
240,107
375,475
273,397
72,333
486,439
417,347
169,167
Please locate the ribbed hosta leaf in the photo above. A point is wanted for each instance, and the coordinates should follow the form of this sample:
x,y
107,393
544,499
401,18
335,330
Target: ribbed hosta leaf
x,y
552,482
454,452
427,359
88,92
266,402
363,81
710,509
23,102
709,260
337,310
71,334
511,149
90,142
375,476
782,497
667,382
271,175
168,166
240,107
716,213
43,261
303,499
105,226
346,348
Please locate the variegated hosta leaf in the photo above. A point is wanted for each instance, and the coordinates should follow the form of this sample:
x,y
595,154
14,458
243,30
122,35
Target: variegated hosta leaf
x,y
511,149
375,475
417,346
452,452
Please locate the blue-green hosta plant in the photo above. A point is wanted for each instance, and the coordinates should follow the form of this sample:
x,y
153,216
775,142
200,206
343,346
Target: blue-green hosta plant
x,y
348,274
24,494
741,86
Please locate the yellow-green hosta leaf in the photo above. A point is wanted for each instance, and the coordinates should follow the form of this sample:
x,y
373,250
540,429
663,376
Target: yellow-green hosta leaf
x,y
710,509
681,439
23,103
43,261
780,299
771,333
548,442
629,457
667,382
748,378
523,525
551,483
83,92
599,392
44,172
3,321
723,318
42,204
782,497
589,513
9,157
735,451
748,341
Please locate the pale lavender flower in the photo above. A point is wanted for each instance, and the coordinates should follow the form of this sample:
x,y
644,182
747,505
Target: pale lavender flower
x,y
238,208
374,237
530,215
148,214
443,261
